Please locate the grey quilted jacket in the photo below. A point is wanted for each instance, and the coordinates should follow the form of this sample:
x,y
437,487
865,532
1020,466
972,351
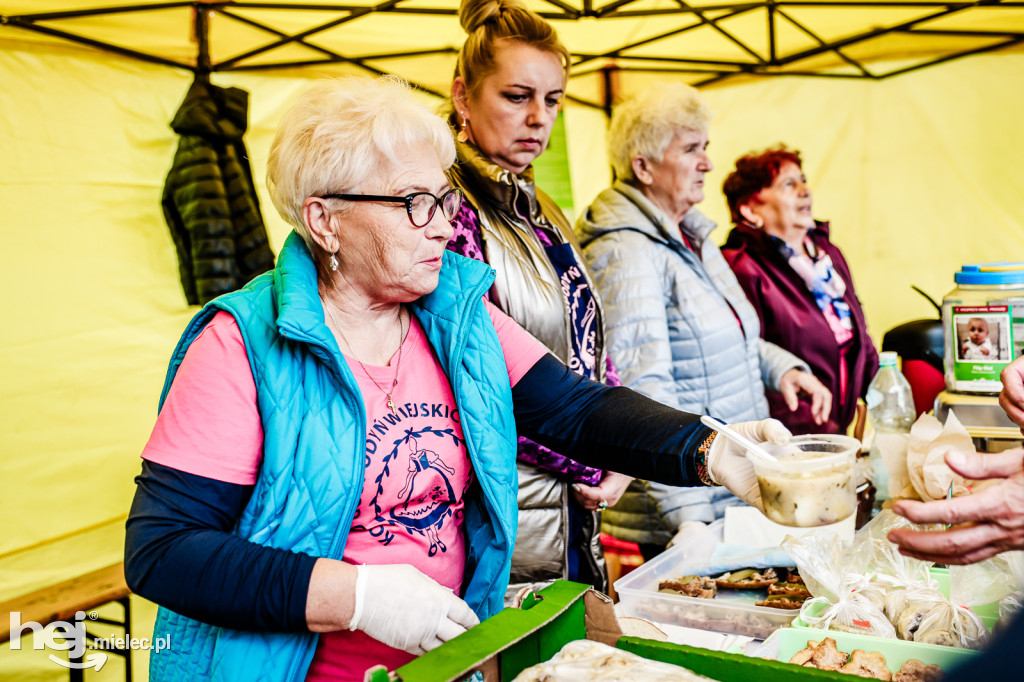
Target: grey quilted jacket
x,y
672,332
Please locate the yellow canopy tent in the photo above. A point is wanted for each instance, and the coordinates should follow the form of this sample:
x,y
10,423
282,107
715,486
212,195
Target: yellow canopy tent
x,y
913,154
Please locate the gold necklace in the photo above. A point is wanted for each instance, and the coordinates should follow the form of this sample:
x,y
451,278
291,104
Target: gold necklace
x,y
398,365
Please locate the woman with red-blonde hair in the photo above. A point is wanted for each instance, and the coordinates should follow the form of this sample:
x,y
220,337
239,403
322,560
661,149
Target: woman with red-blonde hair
x,y
799,283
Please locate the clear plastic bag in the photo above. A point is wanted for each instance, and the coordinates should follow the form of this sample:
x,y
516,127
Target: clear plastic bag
x,y
1013,603
868,587
1009,607
882,559
833,576
946,624
987,581
909,608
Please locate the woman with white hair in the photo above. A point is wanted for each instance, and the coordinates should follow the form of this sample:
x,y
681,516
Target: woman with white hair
x,y
680,329
330,484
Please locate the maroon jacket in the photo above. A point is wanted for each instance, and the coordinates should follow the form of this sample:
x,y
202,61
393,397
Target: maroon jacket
x,y
790,318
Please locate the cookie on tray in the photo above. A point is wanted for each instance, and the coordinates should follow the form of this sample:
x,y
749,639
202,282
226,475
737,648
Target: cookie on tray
x,y
867,664
916,671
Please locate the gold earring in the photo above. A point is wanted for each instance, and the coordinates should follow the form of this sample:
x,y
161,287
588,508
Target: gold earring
x,y
758,221
463,135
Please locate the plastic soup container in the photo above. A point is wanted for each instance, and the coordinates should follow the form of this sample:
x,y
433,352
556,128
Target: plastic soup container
x,y
812,484
983,326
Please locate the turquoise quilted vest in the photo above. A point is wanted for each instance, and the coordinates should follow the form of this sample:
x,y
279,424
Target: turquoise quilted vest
x,y
314,425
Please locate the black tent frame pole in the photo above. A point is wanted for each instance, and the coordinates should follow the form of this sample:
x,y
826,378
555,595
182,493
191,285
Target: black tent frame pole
x,y
201,22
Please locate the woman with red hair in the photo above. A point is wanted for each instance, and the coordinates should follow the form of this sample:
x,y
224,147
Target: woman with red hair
x,y
799,283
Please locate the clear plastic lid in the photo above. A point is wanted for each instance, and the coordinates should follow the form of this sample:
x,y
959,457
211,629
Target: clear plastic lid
x,y
813,452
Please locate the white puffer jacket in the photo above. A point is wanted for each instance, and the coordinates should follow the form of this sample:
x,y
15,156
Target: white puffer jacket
x,y
672,332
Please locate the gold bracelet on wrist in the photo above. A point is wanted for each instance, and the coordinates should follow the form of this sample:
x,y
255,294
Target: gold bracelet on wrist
x,y
702,460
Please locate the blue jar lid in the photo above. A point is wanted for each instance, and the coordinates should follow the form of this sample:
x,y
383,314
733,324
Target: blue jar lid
x,y
991,273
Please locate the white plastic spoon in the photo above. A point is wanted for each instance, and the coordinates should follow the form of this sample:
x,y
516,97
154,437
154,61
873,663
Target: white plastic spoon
x,y
739,439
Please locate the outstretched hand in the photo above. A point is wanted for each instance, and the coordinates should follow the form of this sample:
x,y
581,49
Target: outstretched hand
x,y
982,524
728,464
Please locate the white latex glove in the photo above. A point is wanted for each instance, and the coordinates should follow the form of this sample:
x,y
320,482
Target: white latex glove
x,y
687,529
728,464
405,609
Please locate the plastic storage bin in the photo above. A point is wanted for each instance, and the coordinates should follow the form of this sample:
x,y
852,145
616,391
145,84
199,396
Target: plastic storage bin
x,y
732,611
983,323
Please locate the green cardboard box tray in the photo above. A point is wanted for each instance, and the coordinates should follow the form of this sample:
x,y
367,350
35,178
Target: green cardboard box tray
x,y
503,646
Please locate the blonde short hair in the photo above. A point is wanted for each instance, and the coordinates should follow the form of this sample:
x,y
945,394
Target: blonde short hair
x,y
337,133
644,125
488,22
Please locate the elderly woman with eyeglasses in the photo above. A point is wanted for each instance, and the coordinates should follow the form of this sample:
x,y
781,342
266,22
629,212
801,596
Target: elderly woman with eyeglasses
x,y
331,480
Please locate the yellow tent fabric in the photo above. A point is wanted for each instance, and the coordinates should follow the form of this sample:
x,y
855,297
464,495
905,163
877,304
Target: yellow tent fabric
x,y
918,173
703,41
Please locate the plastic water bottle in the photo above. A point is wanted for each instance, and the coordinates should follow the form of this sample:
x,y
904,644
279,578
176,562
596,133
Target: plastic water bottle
x,y
891,410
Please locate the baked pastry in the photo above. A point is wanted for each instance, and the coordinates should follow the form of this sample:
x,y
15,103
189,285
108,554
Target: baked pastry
x,y
747,579
867,664
632,626
972,628
588,660
690,586
946,624
873,594
781,601
916,671
853,629
910,618
785,595
826,656
936,636
895,604
801,657
791,589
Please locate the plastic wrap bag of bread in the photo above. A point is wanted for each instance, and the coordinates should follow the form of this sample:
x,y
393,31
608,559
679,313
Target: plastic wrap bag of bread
x,y
920,472
869,588
990,581
1009,607
833,578
584,659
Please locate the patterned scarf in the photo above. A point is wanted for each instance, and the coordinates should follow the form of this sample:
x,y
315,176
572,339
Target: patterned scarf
x,y
824,282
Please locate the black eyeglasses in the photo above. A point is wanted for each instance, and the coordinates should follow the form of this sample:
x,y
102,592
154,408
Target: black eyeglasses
x,y
419,205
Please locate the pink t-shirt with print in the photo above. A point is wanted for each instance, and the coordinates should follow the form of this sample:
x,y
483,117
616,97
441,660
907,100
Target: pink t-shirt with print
x,y
417,473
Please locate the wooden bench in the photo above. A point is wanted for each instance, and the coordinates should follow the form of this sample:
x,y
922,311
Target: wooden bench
x,y
61,601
